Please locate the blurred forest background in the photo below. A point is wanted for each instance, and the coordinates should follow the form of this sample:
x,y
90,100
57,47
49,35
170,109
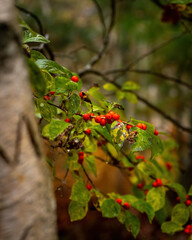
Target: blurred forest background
x,y
76,32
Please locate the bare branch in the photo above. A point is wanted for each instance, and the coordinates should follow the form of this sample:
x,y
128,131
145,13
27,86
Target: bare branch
x,y
101,16
122,71
103,48
163,76
87,176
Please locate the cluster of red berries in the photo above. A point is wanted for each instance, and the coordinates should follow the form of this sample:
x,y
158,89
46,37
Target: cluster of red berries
x,y
126,205
89,187
168,166
47,97
140,157
88,116
188,229
187,201
74,79
102,119
157,183
142,126
81,157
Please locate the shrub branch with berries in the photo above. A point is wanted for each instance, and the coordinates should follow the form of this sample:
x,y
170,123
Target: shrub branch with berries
x,y
80,123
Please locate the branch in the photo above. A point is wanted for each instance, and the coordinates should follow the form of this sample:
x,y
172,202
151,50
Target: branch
x,y
122,71
102,50
87,176
101,16
160,75
176,123
41,30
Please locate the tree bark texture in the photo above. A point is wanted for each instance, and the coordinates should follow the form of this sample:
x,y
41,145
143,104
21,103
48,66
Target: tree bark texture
x,y
27,204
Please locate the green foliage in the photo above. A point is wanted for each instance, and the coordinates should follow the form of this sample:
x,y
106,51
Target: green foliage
x,y
156,198
110,208
61,109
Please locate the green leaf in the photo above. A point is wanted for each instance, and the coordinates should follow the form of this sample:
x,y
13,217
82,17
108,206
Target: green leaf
x,y
131,97
72,105
51,66
90,145
120,95
77,210
132,223
103,131
37,79
144,207
110,208
179,189
63,85
56,127
96,94
156,198
37,55
29,36
180,214
47,111
45,131
110,87
171,227
148,168
72,162
80,192
129,85
91,162
156,146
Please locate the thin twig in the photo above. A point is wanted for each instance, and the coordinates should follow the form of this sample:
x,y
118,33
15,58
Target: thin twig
x,y
101,16
103,48
163,76
122,71
87,176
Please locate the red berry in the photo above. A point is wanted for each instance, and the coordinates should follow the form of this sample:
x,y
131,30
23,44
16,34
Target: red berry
x,y
140,157
155,184
75,79
159,182
46,98
187,230
81,153
81,94
126,205
52,92
81,159
168,166
187,197
108,116
140,125
86,117
188,202
88,131
129,126
116,116
156,132
91,115
178,199
118,200
111,113
144,127
97,119
103,122
67,120
140,185
89,187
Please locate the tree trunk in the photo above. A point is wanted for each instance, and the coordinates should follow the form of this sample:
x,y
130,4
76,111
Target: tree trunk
x,y
27,204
